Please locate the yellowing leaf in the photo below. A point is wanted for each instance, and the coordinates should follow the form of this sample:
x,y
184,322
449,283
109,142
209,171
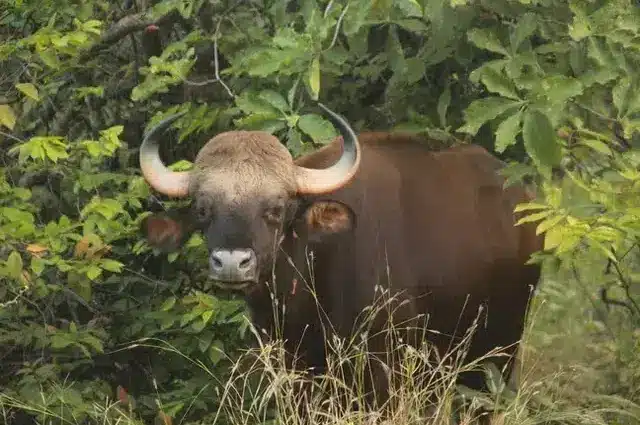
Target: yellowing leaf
x,y
90,247
314,78
28,90
36,249
7,116
553,237
530,206
534,217
549,223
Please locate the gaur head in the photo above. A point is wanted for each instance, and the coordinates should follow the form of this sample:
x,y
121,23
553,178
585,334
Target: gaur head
x,y
246,194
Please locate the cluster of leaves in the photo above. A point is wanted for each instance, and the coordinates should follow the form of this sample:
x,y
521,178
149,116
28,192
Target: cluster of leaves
x,y
549,84
79,285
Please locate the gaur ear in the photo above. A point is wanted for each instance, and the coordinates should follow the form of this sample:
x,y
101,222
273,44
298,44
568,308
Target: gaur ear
x,y
326,218
165,232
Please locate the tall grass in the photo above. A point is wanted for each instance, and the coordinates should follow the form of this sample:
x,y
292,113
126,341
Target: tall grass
x,y
566,375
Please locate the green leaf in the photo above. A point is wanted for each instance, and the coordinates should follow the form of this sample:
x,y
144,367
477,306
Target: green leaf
x,y
7,117
204,341
559,88
93,272
60,341
621,94
597,146
443,105
314,78
206,316
497,82
251,103
108,208
394,51
316,127
540,139
28,90
216,351
168,304
37,265
94,343
486,38
526,26
580,27
14,265
598,76
274,99
508,131
414,25
198,325
111,265
482,110
294,142
261,122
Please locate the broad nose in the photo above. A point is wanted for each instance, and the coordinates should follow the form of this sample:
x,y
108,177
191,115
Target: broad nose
x,y
238,265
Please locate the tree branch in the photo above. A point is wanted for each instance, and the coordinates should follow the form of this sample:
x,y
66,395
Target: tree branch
x,y
125,26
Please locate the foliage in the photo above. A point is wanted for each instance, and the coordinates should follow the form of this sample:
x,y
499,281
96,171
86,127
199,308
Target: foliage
x,y
551,86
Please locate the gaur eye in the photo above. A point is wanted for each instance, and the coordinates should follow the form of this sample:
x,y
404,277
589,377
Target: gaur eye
x,y
274,214
202,212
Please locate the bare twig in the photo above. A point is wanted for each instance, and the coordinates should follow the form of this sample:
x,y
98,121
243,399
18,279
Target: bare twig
x,y
10,136
604,296
216,68
627,288
15,299
337,30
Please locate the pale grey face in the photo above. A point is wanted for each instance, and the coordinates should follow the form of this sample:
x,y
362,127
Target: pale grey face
x,y
243,218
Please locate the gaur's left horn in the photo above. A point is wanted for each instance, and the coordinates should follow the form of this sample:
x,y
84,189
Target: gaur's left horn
x,y
157,174
318,181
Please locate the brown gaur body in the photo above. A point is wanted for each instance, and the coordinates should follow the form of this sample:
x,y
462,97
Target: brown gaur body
x,y
436,227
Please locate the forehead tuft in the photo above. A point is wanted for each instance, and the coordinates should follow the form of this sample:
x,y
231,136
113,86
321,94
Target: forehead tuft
x,y
240,185
242,164
243,147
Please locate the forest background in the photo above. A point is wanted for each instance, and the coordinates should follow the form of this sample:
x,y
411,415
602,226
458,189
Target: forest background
x,y
95,327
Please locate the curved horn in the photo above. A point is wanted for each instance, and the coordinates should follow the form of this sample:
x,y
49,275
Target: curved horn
x,y
157,174
312,181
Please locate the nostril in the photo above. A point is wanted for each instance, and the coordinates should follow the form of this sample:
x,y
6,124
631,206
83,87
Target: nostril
x,y
246,262
216,261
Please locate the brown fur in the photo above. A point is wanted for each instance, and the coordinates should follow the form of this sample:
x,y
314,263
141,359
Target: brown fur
x,y
438,221
442,223
258,157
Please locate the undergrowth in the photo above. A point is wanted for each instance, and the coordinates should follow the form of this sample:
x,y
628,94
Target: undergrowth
x,y
571,374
